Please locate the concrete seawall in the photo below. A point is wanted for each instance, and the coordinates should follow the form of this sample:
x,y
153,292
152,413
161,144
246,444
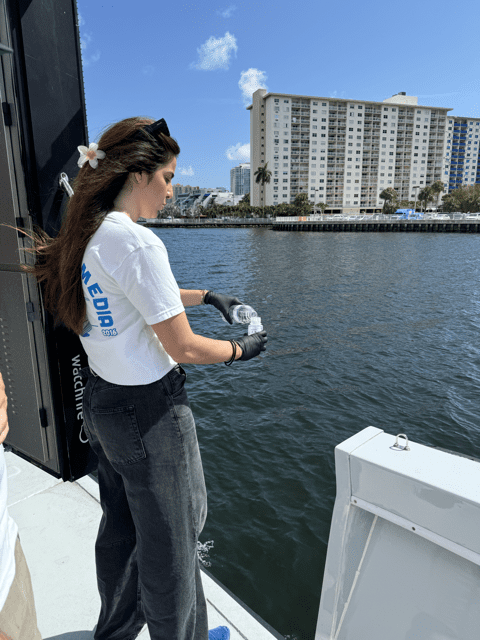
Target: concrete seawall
x,y
382,226
397,226
196,223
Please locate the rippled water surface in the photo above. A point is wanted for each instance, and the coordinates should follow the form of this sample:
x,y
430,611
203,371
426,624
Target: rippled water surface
x,y
364,329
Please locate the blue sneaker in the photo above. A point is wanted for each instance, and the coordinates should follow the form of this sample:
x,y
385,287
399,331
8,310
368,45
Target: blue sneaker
x,y
219,633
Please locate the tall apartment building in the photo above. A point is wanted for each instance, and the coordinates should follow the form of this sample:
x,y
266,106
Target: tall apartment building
x,y
462,156
240,179
344,152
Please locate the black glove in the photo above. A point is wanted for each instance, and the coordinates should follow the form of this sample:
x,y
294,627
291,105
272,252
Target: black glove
x,y
222,303
251,346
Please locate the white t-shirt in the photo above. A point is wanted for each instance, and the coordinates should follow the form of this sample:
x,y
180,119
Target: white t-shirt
x,y
8,536
128,285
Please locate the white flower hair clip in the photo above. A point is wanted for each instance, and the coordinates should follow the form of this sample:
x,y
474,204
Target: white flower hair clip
x,y
92,154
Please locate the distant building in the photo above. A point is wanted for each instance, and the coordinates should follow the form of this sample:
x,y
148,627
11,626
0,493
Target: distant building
x,y
201,199
345,152
180,188
462,153
240,179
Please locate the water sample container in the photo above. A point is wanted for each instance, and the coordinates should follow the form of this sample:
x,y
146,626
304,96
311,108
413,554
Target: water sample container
x,y
241,313
255,325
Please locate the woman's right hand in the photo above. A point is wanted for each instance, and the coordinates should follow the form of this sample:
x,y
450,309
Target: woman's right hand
x,y
253,345
184,346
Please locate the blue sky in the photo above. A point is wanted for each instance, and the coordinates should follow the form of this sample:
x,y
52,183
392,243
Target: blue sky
x,y
196,64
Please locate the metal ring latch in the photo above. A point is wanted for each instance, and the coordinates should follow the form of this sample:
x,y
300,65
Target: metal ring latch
x,y
399,447
65,185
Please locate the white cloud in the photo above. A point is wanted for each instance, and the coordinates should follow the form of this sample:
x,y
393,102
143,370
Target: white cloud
x,y
85,41
215,53
227,13
239,152
250,81
186,172
95,57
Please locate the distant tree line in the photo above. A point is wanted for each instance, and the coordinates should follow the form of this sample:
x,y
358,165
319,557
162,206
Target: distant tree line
x,y
300,207
426,196
464,199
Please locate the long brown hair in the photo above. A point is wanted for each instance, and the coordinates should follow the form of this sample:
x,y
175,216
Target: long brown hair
x,y
58,260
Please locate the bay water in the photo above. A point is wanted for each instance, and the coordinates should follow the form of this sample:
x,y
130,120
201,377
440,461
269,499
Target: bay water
x,y
364,329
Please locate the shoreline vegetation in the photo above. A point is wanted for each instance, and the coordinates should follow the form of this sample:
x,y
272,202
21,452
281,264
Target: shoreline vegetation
x,y
464,199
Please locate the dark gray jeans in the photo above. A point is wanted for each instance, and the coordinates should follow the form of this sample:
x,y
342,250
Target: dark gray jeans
x,y
154,502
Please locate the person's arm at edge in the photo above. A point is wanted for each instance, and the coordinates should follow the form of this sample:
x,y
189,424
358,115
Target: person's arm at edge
x,y
184,346
192,297
3,411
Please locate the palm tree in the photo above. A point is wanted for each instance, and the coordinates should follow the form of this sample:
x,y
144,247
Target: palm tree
x,y
436,189
302,204
263,175
424,197
389,197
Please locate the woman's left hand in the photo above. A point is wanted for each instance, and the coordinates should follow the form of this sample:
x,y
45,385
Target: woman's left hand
x,y
222,303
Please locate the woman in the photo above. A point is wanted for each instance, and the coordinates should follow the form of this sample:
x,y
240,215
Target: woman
x,y
109,280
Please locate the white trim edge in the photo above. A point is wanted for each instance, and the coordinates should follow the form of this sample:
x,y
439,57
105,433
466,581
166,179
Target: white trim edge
x,y
455,548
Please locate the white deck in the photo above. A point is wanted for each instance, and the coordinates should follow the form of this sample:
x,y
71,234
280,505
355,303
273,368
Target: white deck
x,y
58,524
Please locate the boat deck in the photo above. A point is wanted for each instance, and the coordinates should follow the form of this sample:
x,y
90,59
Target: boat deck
x,y
58,524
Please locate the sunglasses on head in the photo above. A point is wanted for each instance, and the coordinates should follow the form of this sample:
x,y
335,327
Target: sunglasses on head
x,y
160,126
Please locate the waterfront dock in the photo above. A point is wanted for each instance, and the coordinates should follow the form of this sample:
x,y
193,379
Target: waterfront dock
x,y
209,223
58,523
395,226
451,223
